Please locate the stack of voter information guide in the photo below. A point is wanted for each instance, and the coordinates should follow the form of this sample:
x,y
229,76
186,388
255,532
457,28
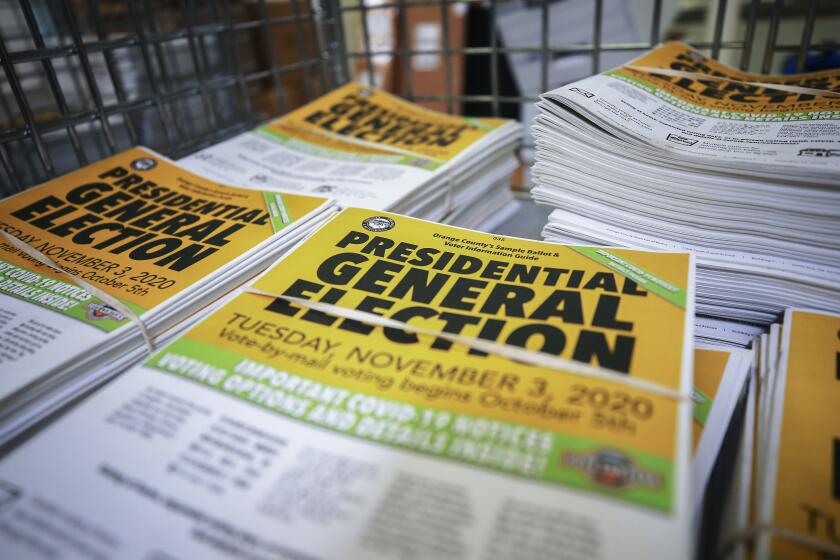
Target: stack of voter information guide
x,y
391,388
365,147
785,498
720,374
677,151
97,264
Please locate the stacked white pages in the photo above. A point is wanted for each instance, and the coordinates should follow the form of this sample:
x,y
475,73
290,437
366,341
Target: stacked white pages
x,y
720,332
676,151
365,147
97,265
785,498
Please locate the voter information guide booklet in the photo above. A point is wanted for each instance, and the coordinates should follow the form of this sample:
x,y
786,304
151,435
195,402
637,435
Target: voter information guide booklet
x,y
677,151
720,375
749,124
363,146
379,393
160,241
786,497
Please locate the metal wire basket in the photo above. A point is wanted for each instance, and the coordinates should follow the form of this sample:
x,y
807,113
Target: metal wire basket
x,y
83,79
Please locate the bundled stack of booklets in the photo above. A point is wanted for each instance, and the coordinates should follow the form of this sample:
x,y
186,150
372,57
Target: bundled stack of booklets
x,y
100,264
720,374
391,388
676,151
365,147
785,497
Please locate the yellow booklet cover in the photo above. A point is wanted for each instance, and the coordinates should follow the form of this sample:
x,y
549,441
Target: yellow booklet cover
x,y
570,302
709,367
136,226
806,431
138,239
614,308
689,76
352,373
365,114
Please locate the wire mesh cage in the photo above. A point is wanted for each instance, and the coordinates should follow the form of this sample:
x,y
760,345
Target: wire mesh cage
x,y
83,79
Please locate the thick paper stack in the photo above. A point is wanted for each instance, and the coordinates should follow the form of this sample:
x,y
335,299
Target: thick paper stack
x,y
719,377
392,388
156,242
365,147
709,331
785,499
676,151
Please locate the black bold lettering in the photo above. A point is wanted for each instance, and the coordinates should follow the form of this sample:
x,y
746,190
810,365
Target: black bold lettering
x,y
332,296
401,252
461,292
565,304
378,246
186,257
85,237
87,193
454,323
334,269
523,274
491,330
601,280
115,172
38,207
375,279
404,315
416,281
553,339
424,256
131,211
353,238
510,296
605,314
175,223
370,304
48,221
630,288
465,264
593,344
155,248
104,204
70,226
299,289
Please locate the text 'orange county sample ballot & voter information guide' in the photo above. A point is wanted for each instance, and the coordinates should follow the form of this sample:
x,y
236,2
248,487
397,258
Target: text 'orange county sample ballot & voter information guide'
x,y
369,397
160,240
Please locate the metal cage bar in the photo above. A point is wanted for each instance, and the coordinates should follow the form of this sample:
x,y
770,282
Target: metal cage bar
x,y
167,74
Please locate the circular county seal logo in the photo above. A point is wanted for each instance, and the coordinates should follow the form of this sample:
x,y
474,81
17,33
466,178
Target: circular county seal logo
x,y
378,223
143,164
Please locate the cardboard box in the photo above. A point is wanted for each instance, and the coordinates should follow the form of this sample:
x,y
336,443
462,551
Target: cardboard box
x,y
285,44
429,71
